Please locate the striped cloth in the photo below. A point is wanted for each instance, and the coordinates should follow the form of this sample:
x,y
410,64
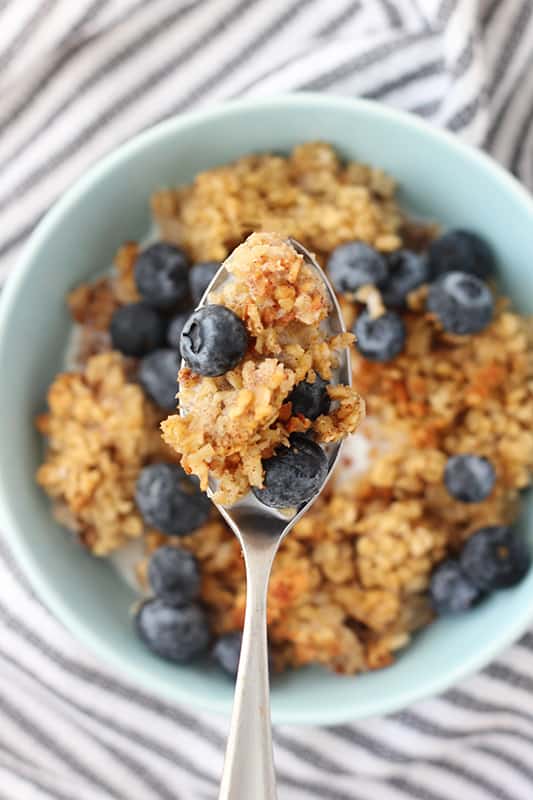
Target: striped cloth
x,y
77,79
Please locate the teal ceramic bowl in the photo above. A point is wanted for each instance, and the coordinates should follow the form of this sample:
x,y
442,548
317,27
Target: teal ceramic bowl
x,y
439,178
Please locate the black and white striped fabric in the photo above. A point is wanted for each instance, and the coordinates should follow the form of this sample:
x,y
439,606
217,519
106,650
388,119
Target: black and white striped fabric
x,y
77,79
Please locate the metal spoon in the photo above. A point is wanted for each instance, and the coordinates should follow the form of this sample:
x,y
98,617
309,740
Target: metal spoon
x,y
249,766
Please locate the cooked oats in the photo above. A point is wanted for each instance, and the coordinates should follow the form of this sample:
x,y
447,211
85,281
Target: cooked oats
x,y
100,431
349,584
311,196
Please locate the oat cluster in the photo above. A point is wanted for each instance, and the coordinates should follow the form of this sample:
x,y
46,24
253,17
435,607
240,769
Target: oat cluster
x,y
100,431
234,421
311,195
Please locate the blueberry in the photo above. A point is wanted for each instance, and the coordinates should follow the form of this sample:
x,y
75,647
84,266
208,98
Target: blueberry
x,y
355,264
379,339
462,303
495,558
136,329
227,651
174,575
293,475
162,275
158,375
407,271
170,501
200,276
213,340
175,327
177,633
469,478
460,251
310,399
450,590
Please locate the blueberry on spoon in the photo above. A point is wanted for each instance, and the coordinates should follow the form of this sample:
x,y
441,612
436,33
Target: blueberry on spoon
x,y
213,341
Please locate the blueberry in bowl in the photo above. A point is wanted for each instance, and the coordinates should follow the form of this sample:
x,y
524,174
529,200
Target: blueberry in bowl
x,y
460,250
227,651
175,327
169,500
355,264
469,478
136,329
161,275
175,633
174,574
158,375
200,276
380,339
451,590
461,302
495,557
407,271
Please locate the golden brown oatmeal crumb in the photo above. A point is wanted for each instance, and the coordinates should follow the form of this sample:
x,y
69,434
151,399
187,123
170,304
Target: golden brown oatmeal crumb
x,y
101,430
93,304
310,196
233,421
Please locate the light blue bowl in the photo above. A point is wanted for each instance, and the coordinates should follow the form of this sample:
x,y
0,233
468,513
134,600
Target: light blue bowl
x,y
439,178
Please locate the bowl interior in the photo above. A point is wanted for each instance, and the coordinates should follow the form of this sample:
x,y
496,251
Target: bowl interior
x,y
439,179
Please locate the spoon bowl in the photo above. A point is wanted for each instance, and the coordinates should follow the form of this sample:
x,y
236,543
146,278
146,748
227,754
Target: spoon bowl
x,y
249,513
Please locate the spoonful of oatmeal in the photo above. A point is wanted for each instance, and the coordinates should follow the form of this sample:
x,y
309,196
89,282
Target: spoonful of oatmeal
x,y
265,400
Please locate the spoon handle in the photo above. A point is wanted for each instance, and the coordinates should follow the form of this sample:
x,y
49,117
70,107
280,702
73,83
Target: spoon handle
x,y
249,764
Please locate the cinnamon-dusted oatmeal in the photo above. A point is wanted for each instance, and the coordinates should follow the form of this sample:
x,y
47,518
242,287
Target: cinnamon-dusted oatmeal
x,y
350,584
237,419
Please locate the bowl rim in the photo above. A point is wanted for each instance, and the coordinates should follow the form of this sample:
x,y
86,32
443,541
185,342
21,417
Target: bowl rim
x,y
37,576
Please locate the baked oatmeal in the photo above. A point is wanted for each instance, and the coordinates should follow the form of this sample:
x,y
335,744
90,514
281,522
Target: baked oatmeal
x,y
236,419
101,430
417,520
